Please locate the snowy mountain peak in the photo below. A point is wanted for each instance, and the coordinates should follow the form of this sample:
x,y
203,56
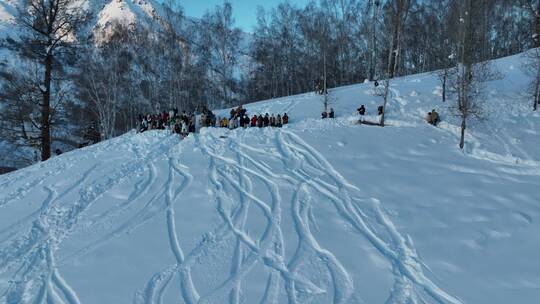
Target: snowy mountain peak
x,y
128,13
7,11
116,10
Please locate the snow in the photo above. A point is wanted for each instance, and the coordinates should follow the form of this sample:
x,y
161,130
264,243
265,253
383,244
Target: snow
x,y
319,211
116,10
7,11
127,13
7,17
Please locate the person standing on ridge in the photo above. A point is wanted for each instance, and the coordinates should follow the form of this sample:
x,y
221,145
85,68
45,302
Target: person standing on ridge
x,y
433,118
254,121
362,110
279,122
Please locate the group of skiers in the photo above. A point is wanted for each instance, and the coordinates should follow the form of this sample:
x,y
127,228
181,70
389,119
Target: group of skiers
x,y
183,123
179,123
240,119
208,119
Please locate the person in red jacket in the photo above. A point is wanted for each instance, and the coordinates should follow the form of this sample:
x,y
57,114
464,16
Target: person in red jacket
x,y
165,117
285,119
254,121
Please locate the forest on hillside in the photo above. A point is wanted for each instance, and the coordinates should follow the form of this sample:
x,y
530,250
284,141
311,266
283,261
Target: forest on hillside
x,y
76,81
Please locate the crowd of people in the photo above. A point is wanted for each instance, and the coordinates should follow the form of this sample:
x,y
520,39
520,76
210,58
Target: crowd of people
x,y
240,119
183,123
179,123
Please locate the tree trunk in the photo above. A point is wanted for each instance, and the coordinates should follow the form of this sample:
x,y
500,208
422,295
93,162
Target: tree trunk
x,y
537,26
325,91
536,93
392,60
46,111
445,78
395,40
466,70
373,55
393,54
463,126
386,93
537,83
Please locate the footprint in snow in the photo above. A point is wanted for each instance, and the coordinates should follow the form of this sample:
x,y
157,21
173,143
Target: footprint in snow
x,y
522,217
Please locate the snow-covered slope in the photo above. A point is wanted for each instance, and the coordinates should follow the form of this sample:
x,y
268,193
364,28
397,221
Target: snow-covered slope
x,y
315,212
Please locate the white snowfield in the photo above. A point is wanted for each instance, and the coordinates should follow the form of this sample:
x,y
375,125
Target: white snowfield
x,y
315,212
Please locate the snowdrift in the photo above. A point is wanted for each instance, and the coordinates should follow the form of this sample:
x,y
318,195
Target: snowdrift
x,y
320,211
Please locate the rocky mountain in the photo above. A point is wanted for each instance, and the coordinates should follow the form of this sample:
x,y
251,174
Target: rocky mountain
x,y
104,14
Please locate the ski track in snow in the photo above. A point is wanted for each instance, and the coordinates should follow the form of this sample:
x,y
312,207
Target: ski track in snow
x,y
411,285
410,279
274,178
31,255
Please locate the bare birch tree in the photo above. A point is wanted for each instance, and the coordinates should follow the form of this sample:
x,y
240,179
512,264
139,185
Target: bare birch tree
x,y
532,59
399,12
531,66
472,72
104,83
50,29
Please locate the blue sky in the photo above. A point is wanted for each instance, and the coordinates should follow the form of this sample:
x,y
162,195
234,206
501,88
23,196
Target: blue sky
x,y
245,11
